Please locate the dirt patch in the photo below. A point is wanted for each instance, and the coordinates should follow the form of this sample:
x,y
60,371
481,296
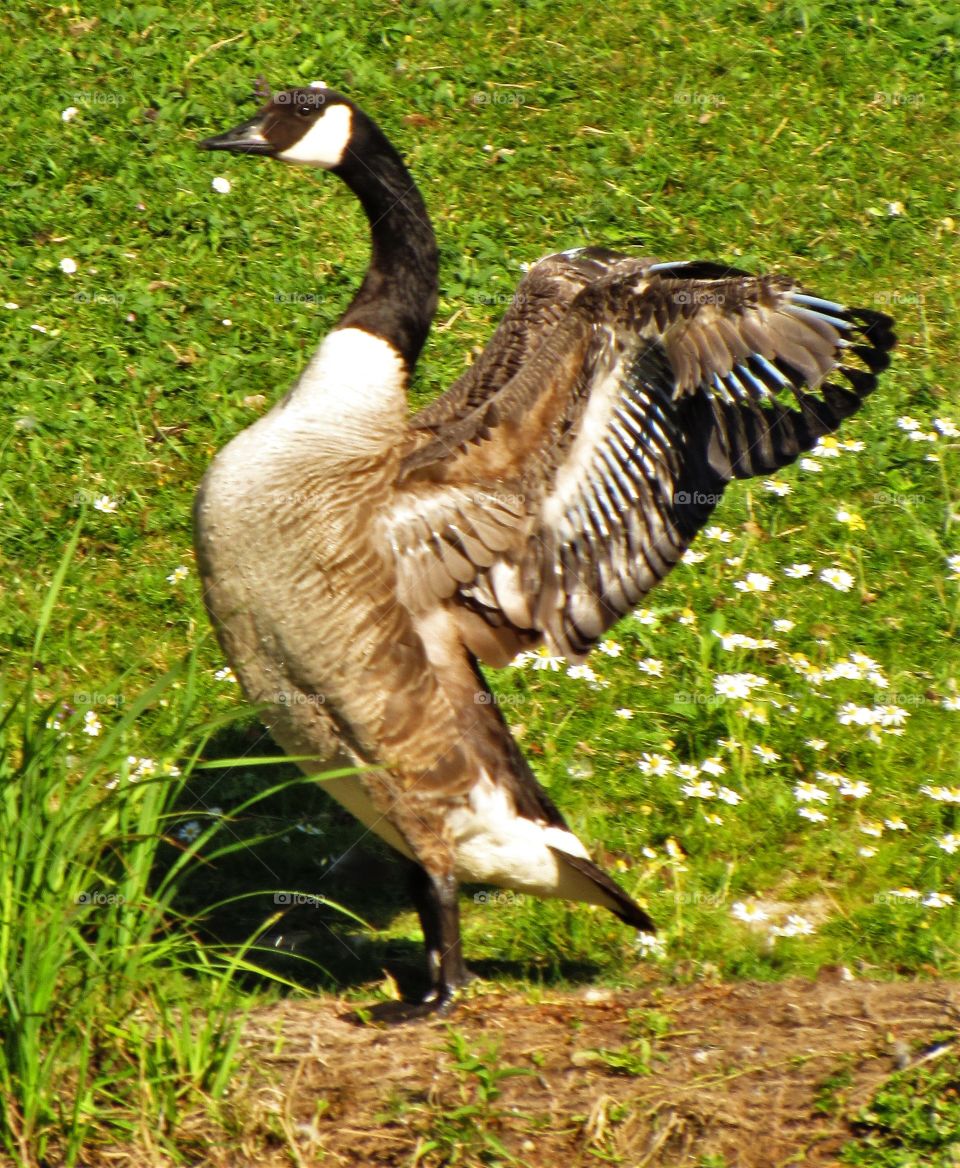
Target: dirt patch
x,y
754,1075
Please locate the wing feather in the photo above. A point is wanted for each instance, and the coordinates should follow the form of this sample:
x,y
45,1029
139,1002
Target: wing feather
x,y
565,474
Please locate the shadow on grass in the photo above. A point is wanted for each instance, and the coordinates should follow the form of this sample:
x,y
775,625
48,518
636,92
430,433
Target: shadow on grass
x,y
301,860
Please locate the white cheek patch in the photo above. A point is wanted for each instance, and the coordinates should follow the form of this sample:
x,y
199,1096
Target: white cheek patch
x,y
325,142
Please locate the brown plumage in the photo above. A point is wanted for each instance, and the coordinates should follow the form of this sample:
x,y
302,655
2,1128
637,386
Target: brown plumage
x,y
357,564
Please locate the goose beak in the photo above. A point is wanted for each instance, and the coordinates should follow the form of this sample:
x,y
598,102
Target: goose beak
x,y
247,138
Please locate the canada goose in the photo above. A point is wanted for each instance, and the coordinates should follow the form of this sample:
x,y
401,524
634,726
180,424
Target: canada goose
x,y
358,564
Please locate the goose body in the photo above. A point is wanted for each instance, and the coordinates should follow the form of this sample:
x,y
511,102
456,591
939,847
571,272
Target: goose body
x,y
357,563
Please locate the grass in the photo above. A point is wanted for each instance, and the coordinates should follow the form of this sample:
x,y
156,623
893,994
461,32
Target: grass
x,y
812,138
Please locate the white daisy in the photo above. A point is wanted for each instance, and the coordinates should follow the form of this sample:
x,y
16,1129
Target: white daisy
x,y
749,913
837,578
777,488
754,582
813,814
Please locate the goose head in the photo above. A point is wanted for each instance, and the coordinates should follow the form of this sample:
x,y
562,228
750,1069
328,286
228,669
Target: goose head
x,y
317,126
312,126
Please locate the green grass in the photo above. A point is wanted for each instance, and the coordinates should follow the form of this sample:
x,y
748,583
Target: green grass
x,y
914,1119
811,138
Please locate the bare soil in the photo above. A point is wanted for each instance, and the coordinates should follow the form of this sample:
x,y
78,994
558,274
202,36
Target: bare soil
x,y
754,1075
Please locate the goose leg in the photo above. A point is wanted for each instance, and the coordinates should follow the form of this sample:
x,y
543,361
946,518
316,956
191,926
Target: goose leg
x,y
435,898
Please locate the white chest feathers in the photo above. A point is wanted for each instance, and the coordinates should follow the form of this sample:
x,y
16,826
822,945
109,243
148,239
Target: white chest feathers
x,y
355,382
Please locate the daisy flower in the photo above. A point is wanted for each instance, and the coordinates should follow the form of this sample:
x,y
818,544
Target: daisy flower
x,y
855,790
655,765
699,790
544,659
795,926
736,685
837,578
814,814
809,793
754,582
749,913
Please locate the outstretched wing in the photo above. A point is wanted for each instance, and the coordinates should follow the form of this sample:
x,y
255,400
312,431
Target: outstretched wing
x,y
561,486
540,303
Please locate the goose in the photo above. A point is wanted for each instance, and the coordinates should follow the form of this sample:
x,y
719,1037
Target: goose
x,y
359,564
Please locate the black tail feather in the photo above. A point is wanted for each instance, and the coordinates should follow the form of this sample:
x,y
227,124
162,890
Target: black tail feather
x,y
626,909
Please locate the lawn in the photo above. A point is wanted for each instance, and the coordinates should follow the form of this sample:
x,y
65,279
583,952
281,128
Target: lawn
x,y
767,753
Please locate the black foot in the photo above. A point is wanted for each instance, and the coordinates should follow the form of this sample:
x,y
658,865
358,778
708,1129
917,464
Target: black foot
x,y
434,1005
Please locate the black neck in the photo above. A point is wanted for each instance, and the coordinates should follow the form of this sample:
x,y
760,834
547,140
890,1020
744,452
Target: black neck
x,y
398,296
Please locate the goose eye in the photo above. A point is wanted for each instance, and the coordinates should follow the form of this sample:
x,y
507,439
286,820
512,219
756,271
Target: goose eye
x,y
304,110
